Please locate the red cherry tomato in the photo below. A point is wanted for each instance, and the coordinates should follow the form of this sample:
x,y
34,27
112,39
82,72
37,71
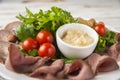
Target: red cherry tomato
x,y
44,36
30,44
100,29
47,50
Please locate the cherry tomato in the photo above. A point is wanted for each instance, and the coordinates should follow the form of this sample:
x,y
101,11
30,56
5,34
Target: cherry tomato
x,y
47,50
44,36
30,44
100,29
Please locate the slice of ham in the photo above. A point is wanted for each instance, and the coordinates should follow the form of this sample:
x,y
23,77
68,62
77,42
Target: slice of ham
x,y
17,62
102,63
49,72
80,70
114,51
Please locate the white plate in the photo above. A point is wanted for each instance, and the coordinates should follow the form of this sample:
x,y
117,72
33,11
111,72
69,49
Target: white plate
x,y
5,74
9,75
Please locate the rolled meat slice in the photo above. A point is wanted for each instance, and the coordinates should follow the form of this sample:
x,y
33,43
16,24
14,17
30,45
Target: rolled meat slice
x,y
118,37
102,63
114,51
80,70
49,72
8,33
4,35
12,25
63,74
4,50
17,62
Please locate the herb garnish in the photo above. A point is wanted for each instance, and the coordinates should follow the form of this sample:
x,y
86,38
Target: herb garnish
x,y
49,20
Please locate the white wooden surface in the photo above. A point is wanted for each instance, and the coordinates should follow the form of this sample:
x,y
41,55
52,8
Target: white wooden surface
x,y
107,11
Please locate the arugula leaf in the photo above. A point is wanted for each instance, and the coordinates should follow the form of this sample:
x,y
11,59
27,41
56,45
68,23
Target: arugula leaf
x,y
49,20
28,19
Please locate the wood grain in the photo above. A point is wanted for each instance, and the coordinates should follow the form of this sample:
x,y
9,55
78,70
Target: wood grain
x,y
104,11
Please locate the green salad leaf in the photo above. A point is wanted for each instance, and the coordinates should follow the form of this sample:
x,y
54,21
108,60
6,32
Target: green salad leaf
x,y
33,52
105,42
25,31
49,20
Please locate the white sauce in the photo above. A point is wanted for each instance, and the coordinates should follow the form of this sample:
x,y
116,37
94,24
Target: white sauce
x,y
77,38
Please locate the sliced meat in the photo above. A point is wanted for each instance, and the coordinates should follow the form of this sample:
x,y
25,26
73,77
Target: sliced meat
x,y
114,51
118,37
4,34
102,63
12,26
9,33
22,64
4,50
8,36
49,72
80,70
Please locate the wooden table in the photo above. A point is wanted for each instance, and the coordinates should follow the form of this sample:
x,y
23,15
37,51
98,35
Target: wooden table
x,y
108,12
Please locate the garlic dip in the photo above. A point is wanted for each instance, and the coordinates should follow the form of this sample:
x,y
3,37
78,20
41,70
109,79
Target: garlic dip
x,y
77,37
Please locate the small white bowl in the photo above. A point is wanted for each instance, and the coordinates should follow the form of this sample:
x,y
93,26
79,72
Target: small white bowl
x,y
71,51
